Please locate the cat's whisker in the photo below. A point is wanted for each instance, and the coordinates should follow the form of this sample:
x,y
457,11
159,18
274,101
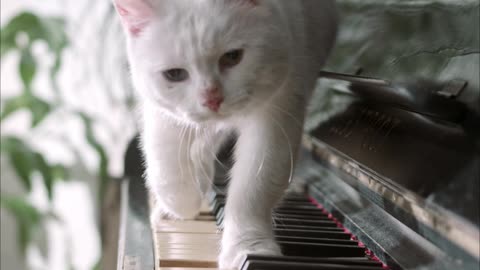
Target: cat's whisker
x,y
179,154
189,151
279,109
274,222
239,94
214,155
210,179
218,161
275,219
191,163
200,164
261,166
202,168
236,99
289,147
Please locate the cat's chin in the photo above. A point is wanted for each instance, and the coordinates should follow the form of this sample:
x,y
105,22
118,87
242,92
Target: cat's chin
x,y
194,119
200,119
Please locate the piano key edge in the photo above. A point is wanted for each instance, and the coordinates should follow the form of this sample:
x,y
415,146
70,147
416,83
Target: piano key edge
x,y
389,239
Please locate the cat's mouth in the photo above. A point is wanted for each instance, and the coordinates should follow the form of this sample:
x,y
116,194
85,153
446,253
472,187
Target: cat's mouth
x,y
226,111
200,118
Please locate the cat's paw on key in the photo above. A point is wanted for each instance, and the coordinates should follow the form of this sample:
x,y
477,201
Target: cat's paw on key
x,y
232,256
176,206
160,214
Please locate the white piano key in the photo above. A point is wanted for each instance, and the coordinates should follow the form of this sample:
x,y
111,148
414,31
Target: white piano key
x,y
186,226
188,244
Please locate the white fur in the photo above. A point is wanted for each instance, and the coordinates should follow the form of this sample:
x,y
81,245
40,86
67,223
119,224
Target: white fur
x,y
285,45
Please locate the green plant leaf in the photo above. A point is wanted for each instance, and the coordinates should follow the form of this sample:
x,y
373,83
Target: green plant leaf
x,y
6,46
53,74
25,161
23,164
39,108
98,265
18,24
46,172
14,104
49,29
28,218
21,158
92,141
59,172
23,22
54,33
27,68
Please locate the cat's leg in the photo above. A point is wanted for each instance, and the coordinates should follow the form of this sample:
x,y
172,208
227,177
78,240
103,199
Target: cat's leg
x,y
170,171
264,158
180,166
203,154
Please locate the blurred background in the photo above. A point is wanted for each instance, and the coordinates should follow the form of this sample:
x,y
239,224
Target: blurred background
x,y
65,123
66,109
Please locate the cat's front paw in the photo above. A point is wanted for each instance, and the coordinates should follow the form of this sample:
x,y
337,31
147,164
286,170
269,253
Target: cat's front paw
x,y
233,255
177,205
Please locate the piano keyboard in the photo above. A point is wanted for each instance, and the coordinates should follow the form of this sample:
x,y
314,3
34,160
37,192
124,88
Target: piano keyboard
x,y
310,238
192,244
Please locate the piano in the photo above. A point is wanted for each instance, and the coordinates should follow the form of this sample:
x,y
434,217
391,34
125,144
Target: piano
x,y
389,169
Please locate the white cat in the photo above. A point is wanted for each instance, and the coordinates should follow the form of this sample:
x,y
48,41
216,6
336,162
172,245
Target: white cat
x,y
205,69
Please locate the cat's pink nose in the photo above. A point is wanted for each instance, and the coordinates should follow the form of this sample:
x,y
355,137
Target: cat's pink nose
x,y
213,99
214,104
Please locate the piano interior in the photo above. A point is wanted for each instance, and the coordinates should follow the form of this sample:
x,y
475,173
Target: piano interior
x,y
389,169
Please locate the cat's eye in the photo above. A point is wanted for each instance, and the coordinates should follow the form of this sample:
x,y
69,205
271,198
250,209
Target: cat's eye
x,y
231,59
176,75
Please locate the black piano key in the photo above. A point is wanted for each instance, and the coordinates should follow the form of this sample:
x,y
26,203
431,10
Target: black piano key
x,y
276,265
299,196
308,237
298,199
308,228
217,205
295,203
317,240
220,181
302,207
219,217
307,217
312,212
356,261
219,214
305,230
219,202
311,234
324,226
304,222
211,197
302,230
221,185
320,250
221,195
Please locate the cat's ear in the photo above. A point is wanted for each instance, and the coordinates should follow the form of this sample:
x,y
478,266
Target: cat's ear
x,y
135,14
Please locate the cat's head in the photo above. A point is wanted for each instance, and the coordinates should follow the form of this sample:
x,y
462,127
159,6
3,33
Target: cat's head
x,y
204,60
